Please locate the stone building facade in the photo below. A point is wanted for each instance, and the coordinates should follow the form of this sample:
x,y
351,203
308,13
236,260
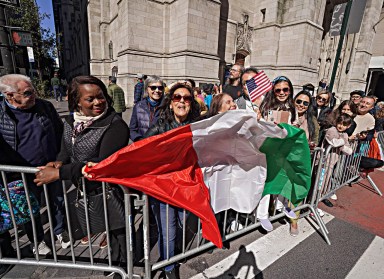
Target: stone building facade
x,y
199,39
375,83
71,23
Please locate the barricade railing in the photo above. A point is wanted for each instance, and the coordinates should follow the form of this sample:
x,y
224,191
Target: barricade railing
x,y
96,260
244,223
380,140
331,170
338,169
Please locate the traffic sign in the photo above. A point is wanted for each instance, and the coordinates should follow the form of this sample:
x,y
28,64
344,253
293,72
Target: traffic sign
x,y
21,38
15,3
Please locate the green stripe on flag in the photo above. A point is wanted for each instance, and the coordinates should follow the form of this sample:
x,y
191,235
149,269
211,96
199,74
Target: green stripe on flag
x,y
288,165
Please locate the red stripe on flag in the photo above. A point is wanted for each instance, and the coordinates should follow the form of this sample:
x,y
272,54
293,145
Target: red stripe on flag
x,y
164,167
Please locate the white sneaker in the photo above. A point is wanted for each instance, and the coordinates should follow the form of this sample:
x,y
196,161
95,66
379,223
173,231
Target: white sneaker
x,y
43,249
321,213
236,226
63,238
334,197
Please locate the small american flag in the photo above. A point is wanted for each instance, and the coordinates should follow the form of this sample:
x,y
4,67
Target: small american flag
x,y
258,85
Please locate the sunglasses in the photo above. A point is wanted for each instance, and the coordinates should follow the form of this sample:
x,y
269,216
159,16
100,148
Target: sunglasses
x,y
278,90
154,87
177,98
321,99
299,102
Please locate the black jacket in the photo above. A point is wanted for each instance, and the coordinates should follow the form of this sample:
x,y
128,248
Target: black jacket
x,y
95,143
47,116
162,126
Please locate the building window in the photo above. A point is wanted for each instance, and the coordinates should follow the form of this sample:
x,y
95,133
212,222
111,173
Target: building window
x,y
110,48
263,11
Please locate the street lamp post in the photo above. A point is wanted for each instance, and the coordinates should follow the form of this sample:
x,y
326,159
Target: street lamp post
x,y
5,48
340,46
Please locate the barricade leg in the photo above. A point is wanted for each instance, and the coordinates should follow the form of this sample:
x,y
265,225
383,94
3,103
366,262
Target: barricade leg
x,y
374,185
321,224
147,264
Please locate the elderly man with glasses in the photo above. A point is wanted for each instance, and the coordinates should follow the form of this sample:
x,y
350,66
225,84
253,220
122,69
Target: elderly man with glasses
x,y
365,122
30,135
234,88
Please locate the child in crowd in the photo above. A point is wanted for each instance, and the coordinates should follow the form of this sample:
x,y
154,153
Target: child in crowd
x,y
337,137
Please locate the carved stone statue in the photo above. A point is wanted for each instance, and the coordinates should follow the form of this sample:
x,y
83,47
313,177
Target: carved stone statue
x,y
244,36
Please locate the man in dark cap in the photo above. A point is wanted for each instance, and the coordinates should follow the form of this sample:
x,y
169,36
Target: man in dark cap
x,y
117,95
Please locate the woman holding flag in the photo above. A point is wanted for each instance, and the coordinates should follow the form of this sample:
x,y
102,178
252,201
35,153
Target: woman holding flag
x,y
278,106
178,108
92,133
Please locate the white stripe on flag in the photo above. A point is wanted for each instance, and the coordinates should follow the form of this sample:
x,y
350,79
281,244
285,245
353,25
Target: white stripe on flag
x,y
230,141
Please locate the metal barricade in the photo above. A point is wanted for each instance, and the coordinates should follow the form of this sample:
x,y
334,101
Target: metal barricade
x,y
338,169
364,152
380,140
196,244
96,261
331,170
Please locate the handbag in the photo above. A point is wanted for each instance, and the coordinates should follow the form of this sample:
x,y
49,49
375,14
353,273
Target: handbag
x,y
19,204
95,203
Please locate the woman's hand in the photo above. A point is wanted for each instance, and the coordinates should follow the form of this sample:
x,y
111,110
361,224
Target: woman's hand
x,y
55,164
89,164
47,174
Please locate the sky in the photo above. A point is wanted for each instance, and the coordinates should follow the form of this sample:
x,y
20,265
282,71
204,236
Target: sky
x,y
45,6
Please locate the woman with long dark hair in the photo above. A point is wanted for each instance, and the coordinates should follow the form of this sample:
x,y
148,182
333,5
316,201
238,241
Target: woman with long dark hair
x,y
347,107
280,98
178,108
306,118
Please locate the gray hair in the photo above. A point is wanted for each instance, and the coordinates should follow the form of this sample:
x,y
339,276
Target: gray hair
x,y
149,80
8,83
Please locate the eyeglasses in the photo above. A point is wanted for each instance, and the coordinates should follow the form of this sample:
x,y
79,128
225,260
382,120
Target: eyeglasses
x,y
321,99
25,94
356,97
177,98
278,90
234,70
299,102
154,87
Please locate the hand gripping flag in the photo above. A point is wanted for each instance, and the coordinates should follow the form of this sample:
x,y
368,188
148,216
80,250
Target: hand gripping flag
x,y
258,85
168,166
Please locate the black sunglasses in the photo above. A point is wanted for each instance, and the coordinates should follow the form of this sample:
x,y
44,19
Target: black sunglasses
x,y
299,102
177,98
278,90
321,98
154,87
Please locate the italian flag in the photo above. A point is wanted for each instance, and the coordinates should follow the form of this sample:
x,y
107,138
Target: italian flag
x,y
263,158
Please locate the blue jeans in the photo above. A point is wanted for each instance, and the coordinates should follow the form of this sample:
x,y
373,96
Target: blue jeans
x,y
175,221
58,93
